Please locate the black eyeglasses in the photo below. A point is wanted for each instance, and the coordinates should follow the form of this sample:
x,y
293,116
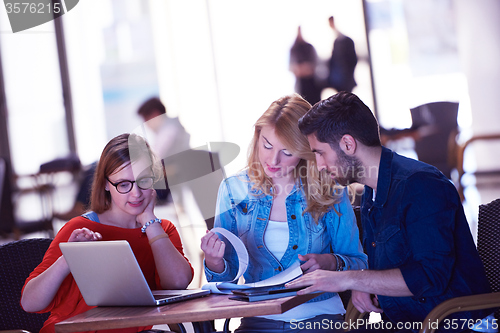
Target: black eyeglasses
x,y
126,186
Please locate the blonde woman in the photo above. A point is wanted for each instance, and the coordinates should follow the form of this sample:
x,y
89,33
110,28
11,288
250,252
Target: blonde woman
x,y
284,211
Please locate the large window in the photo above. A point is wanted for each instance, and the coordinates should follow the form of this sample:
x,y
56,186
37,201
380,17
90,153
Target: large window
x,y
36,116
221,63
415,58
217,65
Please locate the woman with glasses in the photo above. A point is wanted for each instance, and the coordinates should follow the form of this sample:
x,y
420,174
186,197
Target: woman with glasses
x,y
122,208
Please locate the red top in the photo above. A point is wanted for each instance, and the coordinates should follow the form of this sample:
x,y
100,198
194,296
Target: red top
x,y
69,301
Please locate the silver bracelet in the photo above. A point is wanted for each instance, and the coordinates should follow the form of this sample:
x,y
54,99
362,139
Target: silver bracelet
x,y
143,229
340,263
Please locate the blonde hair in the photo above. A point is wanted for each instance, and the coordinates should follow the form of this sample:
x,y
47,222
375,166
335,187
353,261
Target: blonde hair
x,y
284,114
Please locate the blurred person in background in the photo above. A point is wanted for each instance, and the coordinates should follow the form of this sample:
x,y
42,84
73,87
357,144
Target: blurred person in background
x,y
303,60
342,62
171,137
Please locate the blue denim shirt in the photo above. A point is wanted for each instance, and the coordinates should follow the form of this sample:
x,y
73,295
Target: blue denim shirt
x,y
417,224
245,212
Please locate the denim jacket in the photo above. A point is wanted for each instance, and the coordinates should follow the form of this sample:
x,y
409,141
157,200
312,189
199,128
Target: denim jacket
x,y
245,212
417,224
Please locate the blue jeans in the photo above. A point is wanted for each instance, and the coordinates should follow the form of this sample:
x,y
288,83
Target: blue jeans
x,y
319,324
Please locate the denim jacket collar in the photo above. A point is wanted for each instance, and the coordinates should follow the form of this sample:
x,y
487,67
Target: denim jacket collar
x,y
384,177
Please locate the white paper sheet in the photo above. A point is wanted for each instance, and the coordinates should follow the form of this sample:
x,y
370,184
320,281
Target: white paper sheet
x,y
239,247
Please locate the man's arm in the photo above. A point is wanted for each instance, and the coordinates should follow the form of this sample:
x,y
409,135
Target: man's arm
x,y
387,282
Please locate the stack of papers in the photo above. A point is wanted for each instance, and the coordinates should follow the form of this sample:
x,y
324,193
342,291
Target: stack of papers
x,y
263,293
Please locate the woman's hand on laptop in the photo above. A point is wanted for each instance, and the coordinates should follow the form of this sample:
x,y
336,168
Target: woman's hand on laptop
x,y
84,235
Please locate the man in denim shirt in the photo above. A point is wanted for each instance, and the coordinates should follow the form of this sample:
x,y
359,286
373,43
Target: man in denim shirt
x,y
420,249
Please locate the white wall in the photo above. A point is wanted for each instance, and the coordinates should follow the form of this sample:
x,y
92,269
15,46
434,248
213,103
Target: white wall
x,y
479,35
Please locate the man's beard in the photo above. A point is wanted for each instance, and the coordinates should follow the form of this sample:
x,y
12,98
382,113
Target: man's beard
x,y
350,169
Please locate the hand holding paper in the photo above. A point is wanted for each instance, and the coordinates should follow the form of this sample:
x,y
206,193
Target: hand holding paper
x,y
225,287
213,248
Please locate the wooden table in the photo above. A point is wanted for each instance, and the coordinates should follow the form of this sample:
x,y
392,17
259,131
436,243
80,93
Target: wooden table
x,y
196,310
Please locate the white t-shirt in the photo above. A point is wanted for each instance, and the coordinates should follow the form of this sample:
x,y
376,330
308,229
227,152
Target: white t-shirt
x,y
276,238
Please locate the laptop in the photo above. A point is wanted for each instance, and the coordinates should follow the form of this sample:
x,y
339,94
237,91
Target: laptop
x,y
108,274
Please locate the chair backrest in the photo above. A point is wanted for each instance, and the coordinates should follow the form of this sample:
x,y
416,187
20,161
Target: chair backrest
x,y
17,261
488,241
491,176
6,207
433,147
2,177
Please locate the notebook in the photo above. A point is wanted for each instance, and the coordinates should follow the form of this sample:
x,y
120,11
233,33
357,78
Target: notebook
x,y
264,293
108,274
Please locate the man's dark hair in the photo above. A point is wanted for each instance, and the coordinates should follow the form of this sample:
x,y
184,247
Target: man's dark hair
x,y
151,105
340,114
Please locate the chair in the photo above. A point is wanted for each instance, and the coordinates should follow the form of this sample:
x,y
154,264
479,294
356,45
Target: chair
x,y
438,127
6,207
41,186
488,246
434,129
489,175
17,261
